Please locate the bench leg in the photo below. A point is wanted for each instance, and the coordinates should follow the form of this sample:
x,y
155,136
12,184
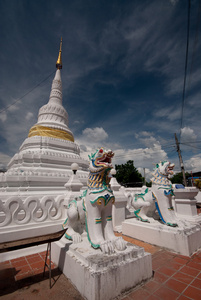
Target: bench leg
x,y
46,265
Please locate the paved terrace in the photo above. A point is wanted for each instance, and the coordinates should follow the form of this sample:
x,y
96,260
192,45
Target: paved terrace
x,y
174,277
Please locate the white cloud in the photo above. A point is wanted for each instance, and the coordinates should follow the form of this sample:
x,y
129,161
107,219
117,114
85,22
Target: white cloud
x,y
20,118
3,116
195,100
145,133
193,164
170,113
91,139
145,173
188,135
15,106
29,115
95,134
142,157
174,2
147,139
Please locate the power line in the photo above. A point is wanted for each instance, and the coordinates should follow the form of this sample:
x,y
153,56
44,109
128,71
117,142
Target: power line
x,y
163,145
186,64
193,142
180,160
190,146
7,107
195,44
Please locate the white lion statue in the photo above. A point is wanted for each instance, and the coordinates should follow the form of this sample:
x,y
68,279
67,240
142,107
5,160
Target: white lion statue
x,y
159,197
94,207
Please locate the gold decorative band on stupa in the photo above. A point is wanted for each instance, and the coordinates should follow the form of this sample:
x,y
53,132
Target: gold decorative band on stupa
x,y
39,130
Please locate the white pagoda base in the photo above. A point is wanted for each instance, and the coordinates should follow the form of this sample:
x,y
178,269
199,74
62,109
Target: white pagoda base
x,y
98,276
184,241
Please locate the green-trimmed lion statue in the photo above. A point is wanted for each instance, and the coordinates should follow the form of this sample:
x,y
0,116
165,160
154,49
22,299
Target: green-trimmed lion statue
x,y
94,207
158,198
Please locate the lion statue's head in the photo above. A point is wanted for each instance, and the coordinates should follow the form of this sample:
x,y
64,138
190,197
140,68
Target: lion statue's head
x,y
165,168
101,159
162,171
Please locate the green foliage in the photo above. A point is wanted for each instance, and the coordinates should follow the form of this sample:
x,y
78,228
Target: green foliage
x,y
178,178
149,184
128,175
198,183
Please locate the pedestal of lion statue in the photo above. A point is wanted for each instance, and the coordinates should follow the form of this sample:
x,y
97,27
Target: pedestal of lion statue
x,y
161,218
99,276
184,241
100,264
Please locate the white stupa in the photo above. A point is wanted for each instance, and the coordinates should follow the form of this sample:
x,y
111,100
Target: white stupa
x,y
43,163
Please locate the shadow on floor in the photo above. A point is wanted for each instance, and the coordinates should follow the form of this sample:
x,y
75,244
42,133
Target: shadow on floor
x,y
8,284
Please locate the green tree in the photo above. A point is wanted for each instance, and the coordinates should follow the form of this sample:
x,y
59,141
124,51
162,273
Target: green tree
x,y
198,183
178,178
149,184
128,175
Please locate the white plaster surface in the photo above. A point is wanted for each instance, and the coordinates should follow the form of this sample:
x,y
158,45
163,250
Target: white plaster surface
x,y
119,210
98,276
119,206
185,241
198,197
185,201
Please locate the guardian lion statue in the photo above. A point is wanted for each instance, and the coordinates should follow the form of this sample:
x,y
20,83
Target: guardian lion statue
x,y
162,192
94,207
159,197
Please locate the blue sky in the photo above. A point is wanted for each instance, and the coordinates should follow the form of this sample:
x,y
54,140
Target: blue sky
x,y
122,76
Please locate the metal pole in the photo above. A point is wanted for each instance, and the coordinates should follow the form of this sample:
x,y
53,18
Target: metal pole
x,y
180,159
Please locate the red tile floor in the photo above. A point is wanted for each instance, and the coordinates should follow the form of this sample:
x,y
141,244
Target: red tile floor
x,y
174,277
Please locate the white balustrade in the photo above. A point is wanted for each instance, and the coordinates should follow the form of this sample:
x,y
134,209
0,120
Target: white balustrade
x,y
30,217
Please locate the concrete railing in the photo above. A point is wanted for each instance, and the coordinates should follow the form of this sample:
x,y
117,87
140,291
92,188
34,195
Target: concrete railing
x,y
31,217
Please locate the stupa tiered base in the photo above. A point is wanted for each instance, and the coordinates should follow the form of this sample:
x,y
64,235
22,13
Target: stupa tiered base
x,y
185,241
98,276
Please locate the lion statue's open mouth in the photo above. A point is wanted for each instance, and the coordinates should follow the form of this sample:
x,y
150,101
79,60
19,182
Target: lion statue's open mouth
x,y
101,159
170,169
164,168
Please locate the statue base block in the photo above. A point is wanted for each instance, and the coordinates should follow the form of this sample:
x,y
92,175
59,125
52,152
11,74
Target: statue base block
x,y
185,241
98,276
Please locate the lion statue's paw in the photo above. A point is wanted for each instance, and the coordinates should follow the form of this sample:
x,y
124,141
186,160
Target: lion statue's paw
x,y
76,237
107,247
119,244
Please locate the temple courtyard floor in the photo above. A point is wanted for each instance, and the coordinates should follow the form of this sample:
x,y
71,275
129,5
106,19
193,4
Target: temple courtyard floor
x,y
174,277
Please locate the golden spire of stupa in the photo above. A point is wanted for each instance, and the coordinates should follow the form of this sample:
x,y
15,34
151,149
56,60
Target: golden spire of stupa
x,y
59,61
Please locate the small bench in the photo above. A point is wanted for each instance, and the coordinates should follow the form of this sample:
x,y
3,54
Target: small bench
x,y
35,241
